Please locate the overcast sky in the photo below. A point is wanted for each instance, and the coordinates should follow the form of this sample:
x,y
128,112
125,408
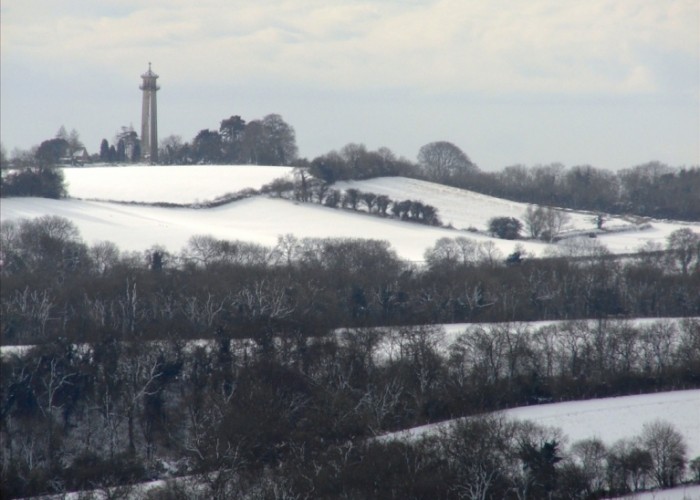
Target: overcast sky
x,y
610,83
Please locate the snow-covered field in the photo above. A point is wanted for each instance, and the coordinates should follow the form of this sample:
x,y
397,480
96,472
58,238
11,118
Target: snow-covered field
x,y
261,219
169,184
446,335
680,493
608,419
258,219
461,208
465,209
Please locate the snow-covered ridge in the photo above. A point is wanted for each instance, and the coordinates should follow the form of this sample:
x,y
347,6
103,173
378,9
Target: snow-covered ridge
x,y
180,184
261,219
608,419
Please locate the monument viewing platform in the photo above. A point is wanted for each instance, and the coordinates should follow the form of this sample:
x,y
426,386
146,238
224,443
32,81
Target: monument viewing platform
x,y
149,116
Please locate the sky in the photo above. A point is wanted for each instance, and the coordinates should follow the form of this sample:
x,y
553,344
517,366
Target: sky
x,y
608,83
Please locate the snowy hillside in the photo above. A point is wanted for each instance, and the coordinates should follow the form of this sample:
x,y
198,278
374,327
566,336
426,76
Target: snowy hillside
x,y
680,493
259,219
170,184
609,419
262,219
465,209
458,207
126,205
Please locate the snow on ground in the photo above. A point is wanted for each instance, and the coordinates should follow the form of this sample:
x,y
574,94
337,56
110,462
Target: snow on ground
x,y
171,184
680,493
609,419
140,490
464,209
261,219
258,219
447,334
459,207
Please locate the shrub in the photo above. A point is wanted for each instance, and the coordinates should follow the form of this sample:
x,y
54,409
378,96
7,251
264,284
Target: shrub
x,y
507,228
668,452
43,183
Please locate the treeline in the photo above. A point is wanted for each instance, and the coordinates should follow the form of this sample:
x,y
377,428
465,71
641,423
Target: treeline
x,y
312,190
356,162
36,175
297,414
126,147
651,190
226,360
38,182
266,141
56,285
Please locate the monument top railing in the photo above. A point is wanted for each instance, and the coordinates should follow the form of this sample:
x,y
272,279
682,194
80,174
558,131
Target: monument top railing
x,y
149,80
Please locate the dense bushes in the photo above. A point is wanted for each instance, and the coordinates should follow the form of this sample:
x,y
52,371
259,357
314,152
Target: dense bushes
x,y
652,189
507,228
311,190
299,414
226,360
55,285
482,457
354,162
39,182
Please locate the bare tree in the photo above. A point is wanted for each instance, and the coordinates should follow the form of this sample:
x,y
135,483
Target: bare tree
x,y
171,149
139,372
443,160
351,198
54,376
544,222
369,199
453,251
3,157
533,221
591,455
668,452
684,248
477,449
380,402
628,466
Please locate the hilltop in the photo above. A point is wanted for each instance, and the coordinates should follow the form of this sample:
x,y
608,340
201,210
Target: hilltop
x,y
119,204
221,327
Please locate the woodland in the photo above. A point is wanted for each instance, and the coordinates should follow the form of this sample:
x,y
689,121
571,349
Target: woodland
x,y
235,370
260,371
653,189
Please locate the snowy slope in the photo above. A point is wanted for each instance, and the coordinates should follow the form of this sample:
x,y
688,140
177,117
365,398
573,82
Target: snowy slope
x,y
680,493
261,219
609,419
258,219
464,209
459,207
446,335
170,184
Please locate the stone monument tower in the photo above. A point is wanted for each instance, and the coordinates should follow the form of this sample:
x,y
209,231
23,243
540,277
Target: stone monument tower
x,y
149,117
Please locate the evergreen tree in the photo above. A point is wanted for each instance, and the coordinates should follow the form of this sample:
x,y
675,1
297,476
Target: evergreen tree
x,y
104,151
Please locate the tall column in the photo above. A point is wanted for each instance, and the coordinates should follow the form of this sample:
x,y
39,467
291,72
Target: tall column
x,y
149,117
